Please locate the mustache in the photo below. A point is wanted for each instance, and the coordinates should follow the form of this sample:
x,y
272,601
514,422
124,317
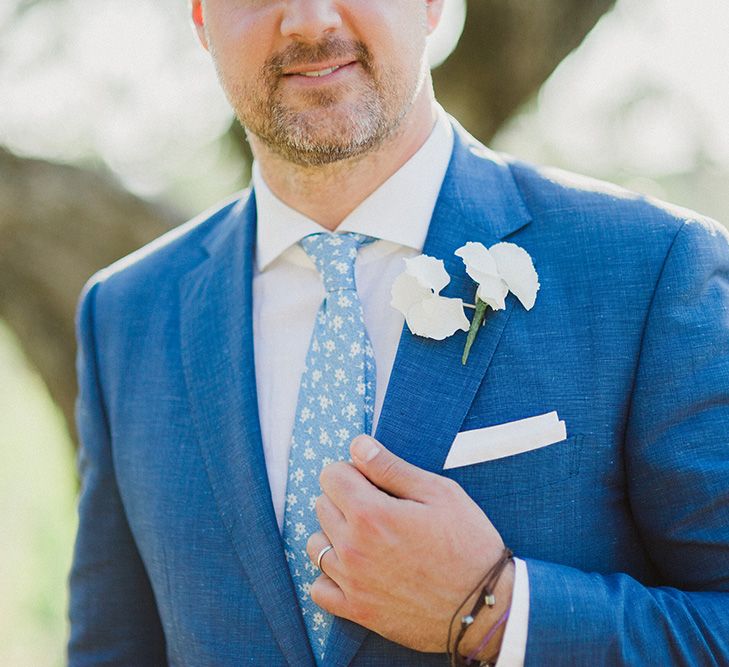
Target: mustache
x,y
334,48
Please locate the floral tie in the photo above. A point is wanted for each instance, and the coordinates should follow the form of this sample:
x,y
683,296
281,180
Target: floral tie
x,y
336,403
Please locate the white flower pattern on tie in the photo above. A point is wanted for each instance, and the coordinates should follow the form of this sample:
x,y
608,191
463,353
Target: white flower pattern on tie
x,y
336,402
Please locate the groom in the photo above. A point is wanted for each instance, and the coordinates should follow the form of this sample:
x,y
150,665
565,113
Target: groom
x,y
231,514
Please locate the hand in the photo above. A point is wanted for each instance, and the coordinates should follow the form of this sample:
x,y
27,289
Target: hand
x,y
409,545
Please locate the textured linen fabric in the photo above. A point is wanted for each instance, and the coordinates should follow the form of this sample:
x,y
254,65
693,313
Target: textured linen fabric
x,y
287,288
287,293
336,399
624,525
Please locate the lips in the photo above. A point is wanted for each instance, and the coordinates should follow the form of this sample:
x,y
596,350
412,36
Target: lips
x,y
321,72
317,70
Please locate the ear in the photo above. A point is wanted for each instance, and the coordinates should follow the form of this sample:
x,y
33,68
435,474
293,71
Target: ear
x,y
196,12
434,9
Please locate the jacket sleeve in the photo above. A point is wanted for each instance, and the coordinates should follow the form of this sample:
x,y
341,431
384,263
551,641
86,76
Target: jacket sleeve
x,y
113,615
677,467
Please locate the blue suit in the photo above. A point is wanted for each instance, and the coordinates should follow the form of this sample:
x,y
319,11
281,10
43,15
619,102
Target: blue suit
x,y
624,525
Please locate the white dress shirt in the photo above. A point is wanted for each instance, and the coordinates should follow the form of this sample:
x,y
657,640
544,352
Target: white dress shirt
x,y
287,293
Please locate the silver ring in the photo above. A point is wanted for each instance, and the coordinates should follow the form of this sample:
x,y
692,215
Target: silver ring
x,y
327,548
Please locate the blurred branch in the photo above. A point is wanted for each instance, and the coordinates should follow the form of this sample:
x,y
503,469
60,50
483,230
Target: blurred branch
x,y
23,6
58,225
507,50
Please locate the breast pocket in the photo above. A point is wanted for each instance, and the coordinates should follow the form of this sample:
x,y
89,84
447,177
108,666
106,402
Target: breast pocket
x,y
521,473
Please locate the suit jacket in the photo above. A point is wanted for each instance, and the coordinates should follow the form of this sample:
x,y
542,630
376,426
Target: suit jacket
x,y
624,525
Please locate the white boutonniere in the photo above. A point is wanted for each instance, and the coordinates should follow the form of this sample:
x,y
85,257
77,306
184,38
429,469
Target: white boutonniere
x,y
416,294
498,270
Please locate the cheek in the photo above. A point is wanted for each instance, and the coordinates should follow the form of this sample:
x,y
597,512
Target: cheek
x,y
241,39
395,32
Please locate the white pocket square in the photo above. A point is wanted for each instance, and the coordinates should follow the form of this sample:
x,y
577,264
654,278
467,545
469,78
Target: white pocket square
x,y
495,442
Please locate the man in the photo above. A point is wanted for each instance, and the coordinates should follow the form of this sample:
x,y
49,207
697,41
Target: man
x,y
210,411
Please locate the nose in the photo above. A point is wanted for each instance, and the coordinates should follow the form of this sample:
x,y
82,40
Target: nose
x,y
310,20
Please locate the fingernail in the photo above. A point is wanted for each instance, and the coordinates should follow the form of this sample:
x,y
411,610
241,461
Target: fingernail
x,y
364,448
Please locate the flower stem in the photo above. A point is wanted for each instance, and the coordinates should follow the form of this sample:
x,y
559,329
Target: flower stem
x,y
476,322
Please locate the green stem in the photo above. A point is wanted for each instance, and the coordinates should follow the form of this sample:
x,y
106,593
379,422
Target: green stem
x,y
476,322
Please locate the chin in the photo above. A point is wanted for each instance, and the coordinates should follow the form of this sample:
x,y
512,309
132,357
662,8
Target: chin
x,y
325,136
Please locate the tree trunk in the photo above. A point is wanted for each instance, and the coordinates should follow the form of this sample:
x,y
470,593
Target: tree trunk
x,y
59,224
507,50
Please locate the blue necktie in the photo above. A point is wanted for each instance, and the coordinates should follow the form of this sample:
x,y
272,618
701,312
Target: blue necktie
x,y
336,403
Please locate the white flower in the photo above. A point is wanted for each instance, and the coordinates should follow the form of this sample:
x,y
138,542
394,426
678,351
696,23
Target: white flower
x,y
416,294
499,269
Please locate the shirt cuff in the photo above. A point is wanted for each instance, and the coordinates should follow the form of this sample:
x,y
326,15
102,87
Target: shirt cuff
x,y
513,645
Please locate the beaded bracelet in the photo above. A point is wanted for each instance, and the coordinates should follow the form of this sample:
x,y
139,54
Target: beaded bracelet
x,y
486,597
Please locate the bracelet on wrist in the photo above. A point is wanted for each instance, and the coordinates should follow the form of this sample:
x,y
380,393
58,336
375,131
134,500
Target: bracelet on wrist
x,y
486,597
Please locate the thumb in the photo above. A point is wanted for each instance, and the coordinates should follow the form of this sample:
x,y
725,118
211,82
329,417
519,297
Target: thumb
x,y
388,471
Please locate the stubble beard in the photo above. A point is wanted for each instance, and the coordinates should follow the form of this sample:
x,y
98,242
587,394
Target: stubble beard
x,y
325,130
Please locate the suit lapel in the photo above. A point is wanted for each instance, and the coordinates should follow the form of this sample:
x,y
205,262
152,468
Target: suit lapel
x,y
430,391
217,351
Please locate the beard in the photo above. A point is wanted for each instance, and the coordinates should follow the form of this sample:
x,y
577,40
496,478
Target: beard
x,y
329,124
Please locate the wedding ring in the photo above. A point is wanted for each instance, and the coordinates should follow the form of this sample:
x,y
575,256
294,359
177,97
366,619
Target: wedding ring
x,y
328,547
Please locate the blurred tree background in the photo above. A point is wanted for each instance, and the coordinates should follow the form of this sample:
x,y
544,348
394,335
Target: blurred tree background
x,y
113,130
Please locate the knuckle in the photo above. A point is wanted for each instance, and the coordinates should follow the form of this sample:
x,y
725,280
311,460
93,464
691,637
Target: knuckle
x,y
348,555
448,486
367,520
330,473
344,553
319,505
315,592
325,476
312,548
355,589
390,470
361,612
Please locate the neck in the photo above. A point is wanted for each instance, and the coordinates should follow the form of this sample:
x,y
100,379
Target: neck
x,y
328,194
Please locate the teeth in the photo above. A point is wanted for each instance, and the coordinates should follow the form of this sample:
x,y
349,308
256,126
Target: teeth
x,y
321,72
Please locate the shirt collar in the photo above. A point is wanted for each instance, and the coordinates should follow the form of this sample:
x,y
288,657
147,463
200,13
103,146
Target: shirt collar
x,y
399,211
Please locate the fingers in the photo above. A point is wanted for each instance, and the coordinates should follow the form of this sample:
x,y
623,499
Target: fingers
x,y
329,561
325,593
391,473
331,519
349,490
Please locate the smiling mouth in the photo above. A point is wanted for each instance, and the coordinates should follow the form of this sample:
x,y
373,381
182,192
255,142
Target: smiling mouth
x,y
318,73
321,72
